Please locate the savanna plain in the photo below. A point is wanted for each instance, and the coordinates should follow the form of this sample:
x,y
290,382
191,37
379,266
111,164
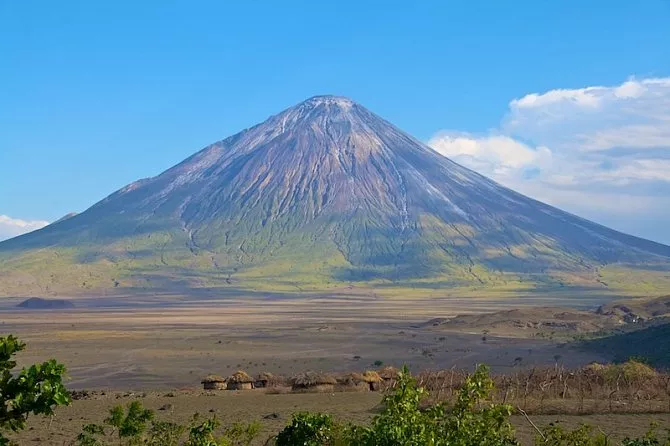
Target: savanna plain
x,y
157,349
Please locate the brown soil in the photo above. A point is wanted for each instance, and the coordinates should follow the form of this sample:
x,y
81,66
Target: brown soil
x,y
172,347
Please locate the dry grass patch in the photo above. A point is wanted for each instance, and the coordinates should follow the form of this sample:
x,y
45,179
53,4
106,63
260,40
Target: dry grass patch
x,y
630,387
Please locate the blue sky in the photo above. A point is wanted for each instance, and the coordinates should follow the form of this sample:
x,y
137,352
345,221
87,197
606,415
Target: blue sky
x,y
566,101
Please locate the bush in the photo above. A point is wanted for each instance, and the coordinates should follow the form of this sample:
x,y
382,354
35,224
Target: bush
x,y
311,429
130,427
404,423
650,439
36,390
556,435
630,372
470,422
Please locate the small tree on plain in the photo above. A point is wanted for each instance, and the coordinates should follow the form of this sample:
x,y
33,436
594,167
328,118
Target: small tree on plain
x,y
35,390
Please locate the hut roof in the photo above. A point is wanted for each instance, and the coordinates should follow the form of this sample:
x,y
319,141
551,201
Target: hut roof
x,y
309,379
213,379
389,373
265,376
240,377
370,376
351,378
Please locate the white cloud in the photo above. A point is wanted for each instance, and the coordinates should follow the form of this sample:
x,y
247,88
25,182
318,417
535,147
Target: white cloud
x,y
633,114
11,227
497,150
600,152
584,97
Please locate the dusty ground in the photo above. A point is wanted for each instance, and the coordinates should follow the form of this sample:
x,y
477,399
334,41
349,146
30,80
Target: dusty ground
x,y
173,344
274,411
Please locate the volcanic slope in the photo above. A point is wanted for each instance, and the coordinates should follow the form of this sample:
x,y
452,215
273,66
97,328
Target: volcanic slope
x,y
323,195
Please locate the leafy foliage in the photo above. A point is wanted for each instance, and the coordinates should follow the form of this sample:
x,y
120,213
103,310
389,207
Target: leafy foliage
x,y
404,423
131,423
470,422
36,390
203,434
131,427
650,439
556,435
310,429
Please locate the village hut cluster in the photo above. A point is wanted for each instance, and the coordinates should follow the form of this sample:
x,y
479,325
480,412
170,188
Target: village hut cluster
x,y
310,381
239,380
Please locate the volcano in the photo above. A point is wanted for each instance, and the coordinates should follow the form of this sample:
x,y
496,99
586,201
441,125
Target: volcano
x,y
325,194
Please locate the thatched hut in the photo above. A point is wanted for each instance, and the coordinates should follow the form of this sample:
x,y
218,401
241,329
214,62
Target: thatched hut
x,y
352,381
214,382
240,380
313,381
389,374
372,379
264,379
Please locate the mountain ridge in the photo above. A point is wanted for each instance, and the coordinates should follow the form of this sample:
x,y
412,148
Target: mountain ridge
x,y
320,195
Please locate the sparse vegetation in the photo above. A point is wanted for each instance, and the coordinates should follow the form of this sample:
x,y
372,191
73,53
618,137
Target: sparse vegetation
x,y
137,426
469,420
404,422
628,387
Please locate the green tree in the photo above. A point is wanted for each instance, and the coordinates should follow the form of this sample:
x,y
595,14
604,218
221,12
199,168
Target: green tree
x,y
402,422
130,424
309,429
473,421
35,390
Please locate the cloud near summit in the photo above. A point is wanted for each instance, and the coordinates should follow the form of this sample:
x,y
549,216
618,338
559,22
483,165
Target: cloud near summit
x,y
12,227
602,152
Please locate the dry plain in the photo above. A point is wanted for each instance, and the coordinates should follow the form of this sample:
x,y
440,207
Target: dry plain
x,y
117,343
153,346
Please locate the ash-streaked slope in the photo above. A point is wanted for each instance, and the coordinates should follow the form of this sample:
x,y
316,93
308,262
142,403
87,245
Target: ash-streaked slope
x,y
322,195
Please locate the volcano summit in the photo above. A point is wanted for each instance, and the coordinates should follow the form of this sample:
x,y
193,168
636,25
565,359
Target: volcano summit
x,y
323,195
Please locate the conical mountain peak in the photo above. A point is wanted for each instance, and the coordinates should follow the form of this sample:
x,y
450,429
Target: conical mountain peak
x,y
342,101
319,111
322,194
